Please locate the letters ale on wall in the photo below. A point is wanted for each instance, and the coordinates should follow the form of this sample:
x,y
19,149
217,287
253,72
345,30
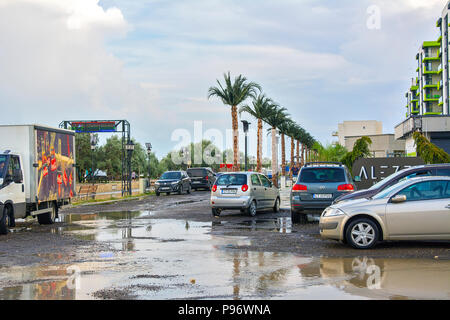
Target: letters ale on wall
x,y
373,170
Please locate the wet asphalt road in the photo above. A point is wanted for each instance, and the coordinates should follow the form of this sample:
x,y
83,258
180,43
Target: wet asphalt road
x,y
172,247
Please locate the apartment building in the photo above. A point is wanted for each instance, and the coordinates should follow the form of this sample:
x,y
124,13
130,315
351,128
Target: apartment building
x,y
427,100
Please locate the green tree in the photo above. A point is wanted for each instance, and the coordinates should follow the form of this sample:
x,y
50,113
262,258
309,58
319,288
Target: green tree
x,y
261,108
83,154
233,94
275,119
360,150
429,152
330,152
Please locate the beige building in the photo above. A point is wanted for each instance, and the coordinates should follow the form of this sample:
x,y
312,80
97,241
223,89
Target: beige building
x,y
358,128
383,145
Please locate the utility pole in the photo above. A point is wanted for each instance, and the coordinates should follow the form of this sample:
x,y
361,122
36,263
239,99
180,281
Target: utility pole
x,y
246,125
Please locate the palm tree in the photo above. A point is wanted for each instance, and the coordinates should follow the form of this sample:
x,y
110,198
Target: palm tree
x,y
292,133
261,108
284,128
276,118
233,94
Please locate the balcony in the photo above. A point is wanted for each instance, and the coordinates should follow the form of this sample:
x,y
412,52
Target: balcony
x,y
433,110
432,98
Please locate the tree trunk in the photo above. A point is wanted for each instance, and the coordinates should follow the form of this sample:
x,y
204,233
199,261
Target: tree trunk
x,y
234,115
303,155
283,155
259,146
292,157
274,157
298,153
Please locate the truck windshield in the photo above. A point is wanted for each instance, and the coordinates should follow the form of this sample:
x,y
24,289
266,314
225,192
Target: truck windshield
x,y
3,164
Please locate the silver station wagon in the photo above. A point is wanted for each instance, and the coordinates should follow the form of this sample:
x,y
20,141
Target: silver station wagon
x,y
244,191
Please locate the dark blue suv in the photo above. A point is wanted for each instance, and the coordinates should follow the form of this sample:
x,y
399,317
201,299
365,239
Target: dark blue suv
x,y
318,185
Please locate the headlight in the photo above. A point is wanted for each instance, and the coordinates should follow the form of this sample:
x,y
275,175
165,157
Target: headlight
x,y
174,183
331,212
156,183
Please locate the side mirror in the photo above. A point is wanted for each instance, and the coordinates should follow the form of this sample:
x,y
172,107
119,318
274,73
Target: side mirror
x,y
400,198
357,179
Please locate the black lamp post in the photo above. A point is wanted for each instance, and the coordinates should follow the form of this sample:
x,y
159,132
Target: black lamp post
x,y
130,148
94,141
246,125
149,150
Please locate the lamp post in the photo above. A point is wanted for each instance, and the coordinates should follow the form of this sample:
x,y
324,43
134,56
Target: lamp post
x,y
246,125
148,145
94,141
130,148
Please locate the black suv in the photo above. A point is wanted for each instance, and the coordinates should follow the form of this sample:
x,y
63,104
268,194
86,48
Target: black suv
x,y
201,178
173,181
418,171
318,184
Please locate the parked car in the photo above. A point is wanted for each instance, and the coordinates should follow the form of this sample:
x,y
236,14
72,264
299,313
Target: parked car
x,y
414,209
317,186
201,178
173,181
244,191
417,171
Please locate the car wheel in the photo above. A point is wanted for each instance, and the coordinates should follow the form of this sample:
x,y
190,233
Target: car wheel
x,y
189,190
362,233
4,222
180,190
47,218
251,210
158,194
276,208
167,193
216,212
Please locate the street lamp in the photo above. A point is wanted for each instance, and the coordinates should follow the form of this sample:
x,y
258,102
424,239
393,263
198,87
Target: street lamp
x,y
94,141
130,148
246,125
148,145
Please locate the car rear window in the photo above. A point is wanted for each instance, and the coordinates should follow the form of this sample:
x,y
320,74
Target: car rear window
x,y
321,175
443,172
232,180
197,173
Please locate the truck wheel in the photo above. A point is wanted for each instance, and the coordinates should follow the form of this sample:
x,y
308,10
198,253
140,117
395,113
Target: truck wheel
x,y
47,218
4,222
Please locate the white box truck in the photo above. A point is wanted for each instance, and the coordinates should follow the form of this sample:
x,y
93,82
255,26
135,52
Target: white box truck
x,y
37,172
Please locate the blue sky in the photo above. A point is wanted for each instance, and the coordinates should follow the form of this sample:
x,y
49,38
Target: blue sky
x,y
152,61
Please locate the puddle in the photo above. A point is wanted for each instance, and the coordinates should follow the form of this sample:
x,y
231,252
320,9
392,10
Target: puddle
x,y
281,225
176,259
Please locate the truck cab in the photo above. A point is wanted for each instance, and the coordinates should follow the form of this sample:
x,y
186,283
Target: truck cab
x,y
12,188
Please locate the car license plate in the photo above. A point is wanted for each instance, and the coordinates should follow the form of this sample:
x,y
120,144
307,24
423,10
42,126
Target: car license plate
x,y
196,182
323,196
165,188
229,191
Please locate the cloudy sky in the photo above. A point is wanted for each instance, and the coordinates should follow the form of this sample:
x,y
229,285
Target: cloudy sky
x,y
152,61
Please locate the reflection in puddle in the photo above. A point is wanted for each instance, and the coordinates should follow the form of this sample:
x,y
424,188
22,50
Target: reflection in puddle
x,y
176,259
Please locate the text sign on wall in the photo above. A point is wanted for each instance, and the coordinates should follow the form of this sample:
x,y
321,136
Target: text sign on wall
x,y
94,126
373,170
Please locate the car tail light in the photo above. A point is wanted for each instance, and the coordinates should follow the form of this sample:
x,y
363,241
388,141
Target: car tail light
x,y
346,187
214,188
299,188
207,178
245,188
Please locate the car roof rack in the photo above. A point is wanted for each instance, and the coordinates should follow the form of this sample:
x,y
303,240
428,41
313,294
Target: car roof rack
x,y
323,163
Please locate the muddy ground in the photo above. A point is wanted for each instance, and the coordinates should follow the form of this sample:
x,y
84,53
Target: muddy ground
x,y
172,247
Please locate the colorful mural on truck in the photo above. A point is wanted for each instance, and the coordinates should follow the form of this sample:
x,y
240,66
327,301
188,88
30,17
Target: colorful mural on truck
x,y
55,165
